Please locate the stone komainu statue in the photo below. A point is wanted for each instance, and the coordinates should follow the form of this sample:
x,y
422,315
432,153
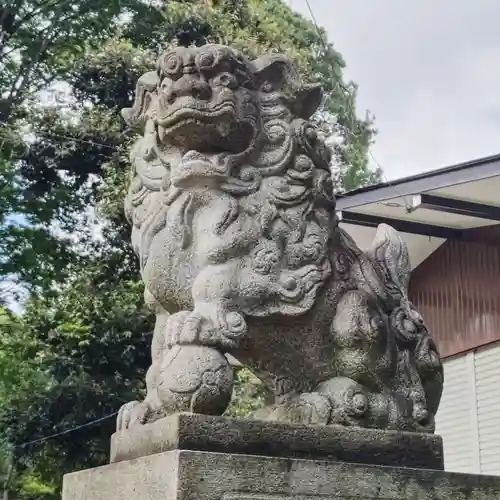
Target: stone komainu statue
x,y
233,219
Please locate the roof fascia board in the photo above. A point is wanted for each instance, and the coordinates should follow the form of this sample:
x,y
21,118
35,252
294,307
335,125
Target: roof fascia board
x,y
403,226
455,206
436,180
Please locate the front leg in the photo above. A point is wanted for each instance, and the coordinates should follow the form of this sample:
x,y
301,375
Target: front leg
x,y
193,374
189,378
217,319
184,376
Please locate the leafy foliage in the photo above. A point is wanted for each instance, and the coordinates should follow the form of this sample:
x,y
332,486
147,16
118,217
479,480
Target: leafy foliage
x,y
42,39
21,373
249,394
91,348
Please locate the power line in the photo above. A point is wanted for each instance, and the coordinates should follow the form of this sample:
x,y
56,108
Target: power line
x,y
84,141
69,138
338,83
68,431
344,89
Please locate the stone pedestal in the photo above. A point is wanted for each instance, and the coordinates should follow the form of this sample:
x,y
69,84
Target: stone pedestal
x,y
193,457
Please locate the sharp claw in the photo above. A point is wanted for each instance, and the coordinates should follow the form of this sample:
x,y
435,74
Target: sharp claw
x,y
124,419
126,415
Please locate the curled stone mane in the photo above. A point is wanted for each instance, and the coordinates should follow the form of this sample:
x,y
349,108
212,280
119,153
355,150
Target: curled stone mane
x,y
280,174
233,219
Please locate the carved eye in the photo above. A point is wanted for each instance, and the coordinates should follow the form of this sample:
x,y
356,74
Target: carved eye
x,y
205,60
171,63
267,87
225,80
311,134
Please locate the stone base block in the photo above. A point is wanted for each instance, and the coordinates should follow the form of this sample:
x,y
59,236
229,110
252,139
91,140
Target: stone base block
x,y
254,437
196,475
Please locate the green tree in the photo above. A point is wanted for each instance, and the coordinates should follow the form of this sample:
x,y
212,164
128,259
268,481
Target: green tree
x,y
45,183
22,374
41,39
98,50
84,313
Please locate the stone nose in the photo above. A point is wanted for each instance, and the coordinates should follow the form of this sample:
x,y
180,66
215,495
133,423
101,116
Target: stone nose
x,y
189,85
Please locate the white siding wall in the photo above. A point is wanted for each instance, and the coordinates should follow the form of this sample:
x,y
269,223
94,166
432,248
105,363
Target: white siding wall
x,y
487,368
454,420
469,415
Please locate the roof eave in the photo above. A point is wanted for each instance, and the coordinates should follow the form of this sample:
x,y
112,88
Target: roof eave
x,y
437,179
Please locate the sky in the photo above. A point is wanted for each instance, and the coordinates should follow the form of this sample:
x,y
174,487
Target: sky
x,y
428,70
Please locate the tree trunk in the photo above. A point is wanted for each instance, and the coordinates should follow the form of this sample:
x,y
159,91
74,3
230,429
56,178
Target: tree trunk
x,y
8,478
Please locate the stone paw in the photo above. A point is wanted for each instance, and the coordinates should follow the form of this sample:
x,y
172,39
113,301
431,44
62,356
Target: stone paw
x,y
348,400
315,408
210,326
308,408
424,421
131,414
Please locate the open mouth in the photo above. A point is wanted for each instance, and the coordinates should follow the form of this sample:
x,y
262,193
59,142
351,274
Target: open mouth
x,y
195,112
207,127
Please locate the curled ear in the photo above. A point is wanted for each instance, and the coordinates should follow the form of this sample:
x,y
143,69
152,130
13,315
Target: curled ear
x,y
309,99
280,74
146,86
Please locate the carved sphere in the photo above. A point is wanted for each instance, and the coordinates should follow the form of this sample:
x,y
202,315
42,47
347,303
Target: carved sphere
x,y
197,378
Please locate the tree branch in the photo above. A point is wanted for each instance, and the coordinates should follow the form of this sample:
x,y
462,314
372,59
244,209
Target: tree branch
x,y
25,71
8,479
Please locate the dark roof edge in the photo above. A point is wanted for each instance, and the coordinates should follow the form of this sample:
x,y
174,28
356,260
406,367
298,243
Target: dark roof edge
x,y
434,179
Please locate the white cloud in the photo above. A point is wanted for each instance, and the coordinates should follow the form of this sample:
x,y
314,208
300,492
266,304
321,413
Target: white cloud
x,y
429,71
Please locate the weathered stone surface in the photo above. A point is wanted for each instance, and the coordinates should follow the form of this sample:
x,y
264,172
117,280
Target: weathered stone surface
x,y
194,475
232,207
229,435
